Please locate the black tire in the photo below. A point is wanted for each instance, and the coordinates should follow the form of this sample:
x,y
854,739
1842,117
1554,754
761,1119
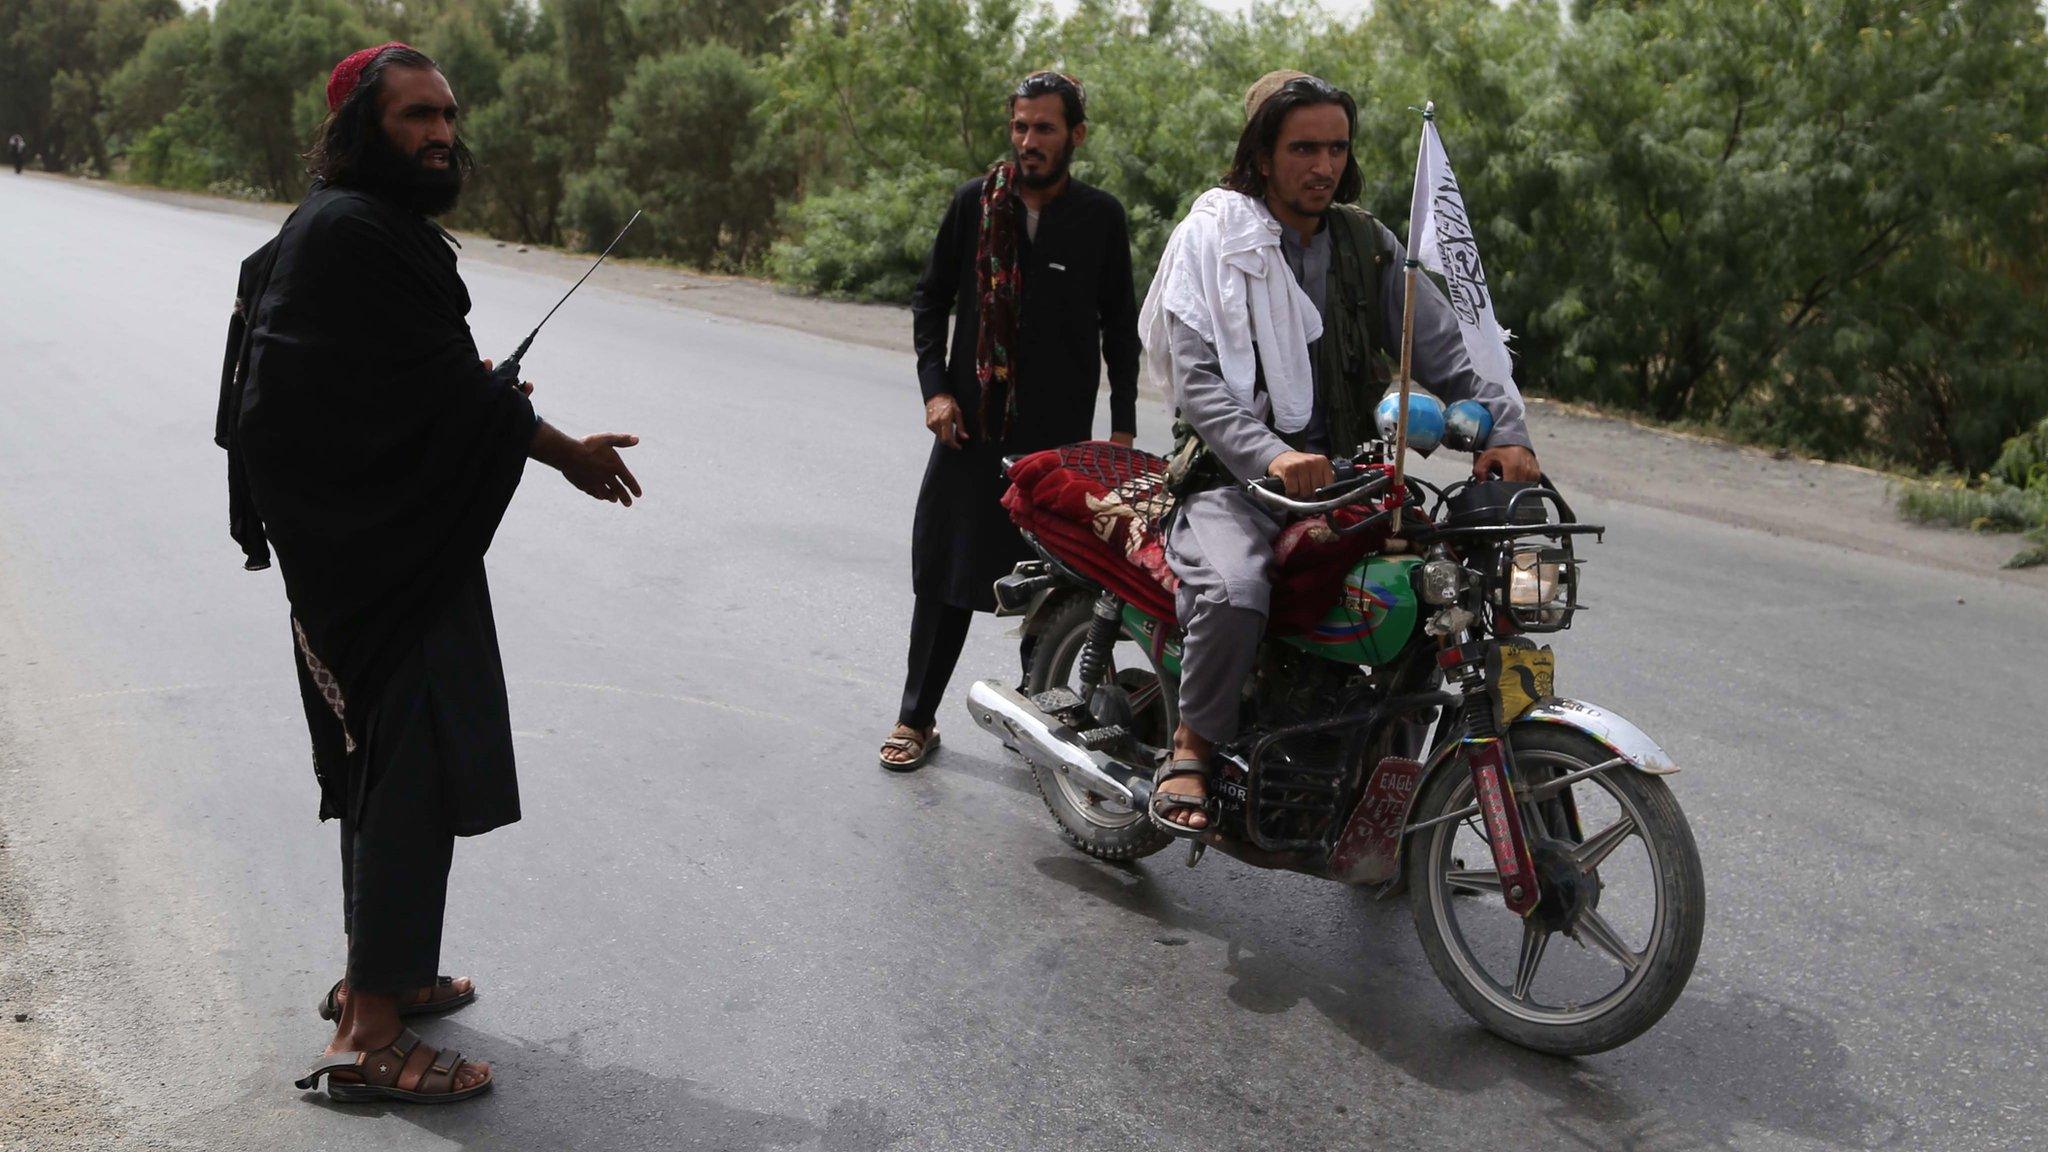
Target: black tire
x,y
1673,873
1097,829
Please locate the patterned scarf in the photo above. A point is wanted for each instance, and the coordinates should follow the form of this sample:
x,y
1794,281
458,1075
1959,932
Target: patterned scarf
x,y
999,292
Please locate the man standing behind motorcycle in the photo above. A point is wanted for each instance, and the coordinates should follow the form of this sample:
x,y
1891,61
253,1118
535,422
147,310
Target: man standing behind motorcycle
x,y
1035,269
1272,301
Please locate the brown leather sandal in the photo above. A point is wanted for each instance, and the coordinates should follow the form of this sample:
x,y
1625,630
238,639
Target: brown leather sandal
x,y
904,738
432,1000
383,1075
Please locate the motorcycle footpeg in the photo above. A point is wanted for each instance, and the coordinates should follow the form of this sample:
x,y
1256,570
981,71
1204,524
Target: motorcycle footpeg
x,y
1056,700
1096,739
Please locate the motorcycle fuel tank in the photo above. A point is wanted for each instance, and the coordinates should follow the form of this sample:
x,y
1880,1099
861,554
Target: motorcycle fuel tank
x,y
1369,624
1372,619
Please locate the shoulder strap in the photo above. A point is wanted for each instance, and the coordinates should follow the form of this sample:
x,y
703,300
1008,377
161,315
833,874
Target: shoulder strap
x,y
1361,234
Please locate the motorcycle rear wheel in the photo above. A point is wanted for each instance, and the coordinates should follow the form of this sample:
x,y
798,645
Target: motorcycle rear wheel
x,y
1097,825
1482,952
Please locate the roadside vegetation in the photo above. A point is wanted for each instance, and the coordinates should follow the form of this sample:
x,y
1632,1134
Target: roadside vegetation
x,y
2011,497
1820,224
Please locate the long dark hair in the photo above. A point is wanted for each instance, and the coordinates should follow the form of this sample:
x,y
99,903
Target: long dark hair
x,y
352,128
1262,134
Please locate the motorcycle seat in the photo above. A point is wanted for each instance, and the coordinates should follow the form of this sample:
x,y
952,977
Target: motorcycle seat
x,y
1102,509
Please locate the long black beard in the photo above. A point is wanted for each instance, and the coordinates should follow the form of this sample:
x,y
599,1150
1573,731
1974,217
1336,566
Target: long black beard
x,y
385,171
1057,173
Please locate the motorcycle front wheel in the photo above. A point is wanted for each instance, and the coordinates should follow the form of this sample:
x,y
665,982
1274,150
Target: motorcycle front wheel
x,y
1637,934
1098,825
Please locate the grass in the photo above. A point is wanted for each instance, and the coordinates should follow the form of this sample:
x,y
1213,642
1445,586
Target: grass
x,y
2011,497
1991,506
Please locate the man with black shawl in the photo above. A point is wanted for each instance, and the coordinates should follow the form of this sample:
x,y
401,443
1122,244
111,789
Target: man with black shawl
x,y
1034,267
373,448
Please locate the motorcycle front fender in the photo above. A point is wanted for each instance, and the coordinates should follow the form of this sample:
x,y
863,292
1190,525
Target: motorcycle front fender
x,y
1613,731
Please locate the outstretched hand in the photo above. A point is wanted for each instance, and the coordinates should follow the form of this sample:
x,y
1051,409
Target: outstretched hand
x,y
595,467
591,464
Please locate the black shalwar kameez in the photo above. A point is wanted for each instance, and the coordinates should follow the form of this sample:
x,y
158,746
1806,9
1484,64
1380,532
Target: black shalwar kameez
x,y
379,456
1079,309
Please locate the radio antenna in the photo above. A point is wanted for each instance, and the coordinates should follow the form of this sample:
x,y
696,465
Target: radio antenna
x,y
511,366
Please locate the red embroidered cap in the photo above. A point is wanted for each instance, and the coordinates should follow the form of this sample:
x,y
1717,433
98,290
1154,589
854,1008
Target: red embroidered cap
x,y
350,71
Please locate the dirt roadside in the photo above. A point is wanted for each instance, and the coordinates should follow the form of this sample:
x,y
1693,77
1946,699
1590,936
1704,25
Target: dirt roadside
x,y
1611,458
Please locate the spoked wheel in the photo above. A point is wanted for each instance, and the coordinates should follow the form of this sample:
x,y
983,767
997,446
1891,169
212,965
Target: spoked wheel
x,y
1611,946
1098,825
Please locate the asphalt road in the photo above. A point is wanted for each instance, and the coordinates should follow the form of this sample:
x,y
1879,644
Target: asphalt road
x,y
720,926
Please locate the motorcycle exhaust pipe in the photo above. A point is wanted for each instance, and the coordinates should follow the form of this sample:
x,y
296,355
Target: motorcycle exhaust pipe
x,y
1042,739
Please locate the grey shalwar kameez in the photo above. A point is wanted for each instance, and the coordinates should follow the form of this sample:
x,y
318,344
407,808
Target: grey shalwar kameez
x,y
1219,543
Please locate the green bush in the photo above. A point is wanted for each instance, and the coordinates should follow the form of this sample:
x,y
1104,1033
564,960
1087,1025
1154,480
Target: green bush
x,y
867,241
2012,497
688,146
183,150
1986,507
595,206
2023,463
522,152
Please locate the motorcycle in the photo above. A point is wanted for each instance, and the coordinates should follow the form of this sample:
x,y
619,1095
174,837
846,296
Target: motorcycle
x,y
1413,743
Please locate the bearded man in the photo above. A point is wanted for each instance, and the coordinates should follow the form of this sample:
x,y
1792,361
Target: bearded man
x,y
1275,299
373,448
1034,267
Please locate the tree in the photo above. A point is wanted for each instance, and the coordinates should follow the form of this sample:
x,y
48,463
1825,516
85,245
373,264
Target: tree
x,y
591,39
1788,218
461,41
265,52
522,148
54,56
687,145
752,27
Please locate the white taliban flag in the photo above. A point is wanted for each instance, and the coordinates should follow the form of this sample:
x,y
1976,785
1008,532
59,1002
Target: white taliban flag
x,y
1440,239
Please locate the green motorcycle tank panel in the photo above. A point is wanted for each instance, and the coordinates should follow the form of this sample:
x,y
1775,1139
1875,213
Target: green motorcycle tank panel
x,y
1373,619
1369,624
1144,631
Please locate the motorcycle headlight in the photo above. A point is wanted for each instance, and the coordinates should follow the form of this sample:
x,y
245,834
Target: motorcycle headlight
x,y
1538,582
1441,582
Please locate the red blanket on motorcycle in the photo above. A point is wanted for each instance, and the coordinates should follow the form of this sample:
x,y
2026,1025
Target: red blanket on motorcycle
x,y
1102,509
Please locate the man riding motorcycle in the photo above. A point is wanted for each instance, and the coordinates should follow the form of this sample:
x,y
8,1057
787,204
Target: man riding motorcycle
x,y
1272,303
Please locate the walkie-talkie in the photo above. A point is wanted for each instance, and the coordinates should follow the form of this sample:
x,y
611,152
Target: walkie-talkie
x,y
507,370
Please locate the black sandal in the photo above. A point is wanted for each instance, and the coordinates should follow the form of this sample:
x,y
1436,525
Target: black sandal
x,y
433,1005
1162,802
380,1075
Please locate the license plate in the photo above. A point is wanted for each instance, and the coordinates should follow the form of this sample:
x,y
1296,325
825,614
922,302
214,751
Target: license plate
x,y
1523,675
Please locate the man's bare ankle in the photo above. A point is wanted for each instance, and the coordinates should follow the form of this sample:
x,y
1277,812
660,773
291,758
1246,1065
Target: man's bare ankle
x,y
367,1036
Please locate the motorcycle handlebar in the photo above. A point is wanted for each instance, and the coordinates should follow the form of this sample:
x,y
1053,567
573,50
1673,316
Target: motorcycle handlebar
x,y
1365,485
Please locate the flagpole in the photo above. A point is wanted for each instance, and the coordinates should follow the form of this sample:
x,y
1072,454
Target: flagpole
x,y
1401,426
1409,267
